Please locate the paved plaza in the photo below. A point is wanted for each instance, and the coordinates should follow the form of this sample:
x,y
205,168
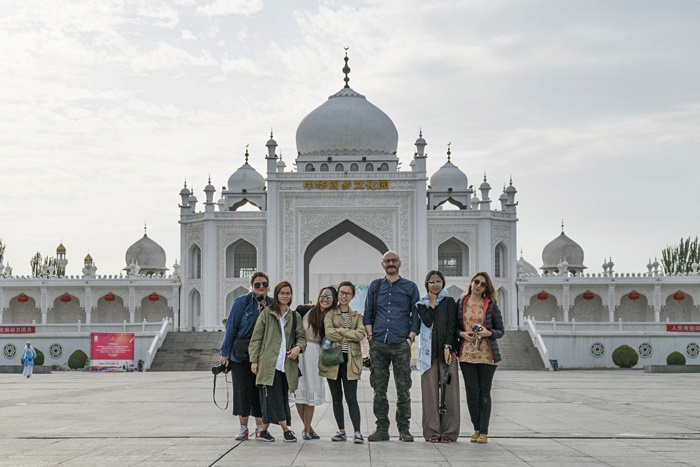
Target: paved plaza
x,y
621,418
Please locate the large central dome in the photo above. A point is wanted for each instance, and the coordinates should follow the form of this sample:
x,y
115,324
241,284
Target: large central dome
x,y
347,124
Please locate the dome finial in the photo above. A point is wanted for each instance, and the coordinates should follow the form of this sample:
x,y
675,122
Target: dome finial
x,y
346,68
271,134
185,183
246,153
209,179
145,229
420,132
562,226
449,152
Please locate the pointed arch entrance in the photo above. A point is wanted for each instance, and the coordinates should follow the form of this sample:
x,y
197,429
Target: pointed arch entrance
x,y
332,235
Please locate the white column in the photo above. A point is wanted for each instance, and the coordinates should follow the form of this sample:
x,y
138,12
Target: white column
x,y
656,299
566,302
210,276
611,303
132,304
44,305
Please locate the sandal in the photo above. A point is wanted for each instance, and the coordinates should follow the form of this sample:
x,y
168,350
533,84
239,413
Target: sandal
x,y
434,439
445,439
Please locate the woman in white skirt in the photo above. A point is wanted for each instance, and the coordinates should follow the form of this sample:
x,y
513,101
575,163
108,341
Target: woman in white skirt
x,y
312,391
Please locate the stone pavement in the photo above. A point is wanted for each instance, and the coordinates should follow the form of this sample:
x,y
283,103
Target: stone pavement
x,y
621,418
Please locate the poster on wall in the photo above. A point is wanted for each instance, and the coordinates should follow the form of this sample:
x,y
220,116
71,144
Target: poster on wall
x,y
112,351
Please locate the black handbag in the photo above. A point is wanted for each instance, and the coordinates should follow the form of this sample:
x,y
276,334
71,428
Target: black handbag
x,y
240,349
332,356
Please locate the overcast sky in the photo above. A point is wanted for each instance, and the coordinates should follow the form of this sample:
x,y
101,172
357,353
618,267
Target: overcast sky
x,y
106,107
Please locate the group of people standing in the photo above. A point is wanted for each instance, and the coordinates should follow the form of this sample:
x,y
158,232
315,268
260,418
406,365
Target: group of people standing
x,y
278,355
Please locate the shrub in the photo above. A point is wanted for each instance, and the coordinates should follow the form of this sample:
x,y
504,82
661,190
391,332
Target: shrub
x,y
39,360
77,360
625,356
675,358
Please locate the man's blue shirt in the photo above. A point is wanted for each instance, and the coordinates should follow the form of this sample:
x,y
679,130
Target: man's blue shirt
x,y
395,316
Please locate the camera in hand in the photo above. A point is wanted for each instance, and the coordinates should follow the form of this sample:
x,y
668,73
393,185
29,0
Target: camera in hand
x,y
220,369
477,328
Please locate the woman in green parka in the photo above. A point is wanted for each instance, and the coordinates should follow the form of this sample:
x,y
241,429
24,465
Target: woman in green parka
x,y
273,359
344,328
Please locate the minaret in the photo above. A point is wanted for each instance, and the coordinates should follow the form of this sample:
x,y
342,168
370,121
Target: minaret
x,y
510,192
485,201
184,200
420,156
61,260
271,157
209,191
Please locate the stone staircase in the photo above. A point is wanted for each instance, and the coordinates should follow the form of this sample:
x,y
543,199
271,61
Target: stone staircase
x,y
188,351
518,352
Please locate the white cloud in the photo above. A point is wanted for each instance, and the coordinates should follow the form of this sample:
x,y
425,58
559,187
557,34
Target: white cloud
x,y
187,35
230,7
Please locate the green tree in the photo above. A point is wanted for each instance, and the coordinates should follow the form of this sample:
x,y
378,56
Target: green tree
x,y
679,258
53,261
2,250
35,264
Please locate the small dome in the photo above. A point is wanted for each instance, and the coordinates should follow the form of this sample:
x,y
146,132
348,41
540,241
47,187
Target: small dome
x,y
246,178
148,255
60,248
449,177
88,258
559,249
185,190
526,268
347,122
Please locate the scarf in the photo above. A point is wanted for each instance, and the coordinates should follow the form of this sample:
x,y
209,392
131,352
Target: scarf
x,y
427,317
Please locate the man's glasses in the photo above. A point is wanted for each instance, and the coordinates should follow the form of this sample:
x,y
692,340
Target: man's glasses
x,y
391,260
480,283
326,297
258,285
434,282
345,294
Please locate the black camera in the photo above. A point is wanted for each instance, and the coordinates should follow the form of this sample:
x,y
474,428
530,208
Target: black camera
x,y
220,369
260,298
366,362
477,328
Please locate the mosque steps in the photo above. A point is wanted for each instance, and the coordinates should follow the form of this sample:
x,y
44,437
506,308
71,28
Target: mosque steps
x,y
188,351
518,352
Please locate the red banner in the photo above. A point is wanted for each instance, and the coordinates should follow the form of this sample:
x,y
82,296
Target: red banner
x,y
112,351
17,329
683,328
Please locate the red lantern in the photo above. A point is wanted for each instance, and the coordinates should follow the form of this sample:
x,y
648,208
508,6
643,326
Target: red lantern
x,y
634,295
22,298
588,295
109,297
542,296
65,298
154,297
678,296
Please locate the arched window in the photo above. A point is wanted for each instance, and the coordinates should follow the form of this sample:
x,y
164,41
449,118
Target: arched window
x,y
499,261
309,167
354,167
384,167
194,266
324,167
339,167
453,258
369,167
241,259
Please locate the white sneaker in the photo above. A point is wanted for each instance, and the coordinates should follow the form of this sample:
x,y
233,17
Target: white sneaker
x,y
242,434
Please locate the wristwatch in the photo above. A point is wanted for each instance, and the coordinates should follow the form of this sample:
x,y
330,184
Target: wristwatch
x,y
448,346
412,339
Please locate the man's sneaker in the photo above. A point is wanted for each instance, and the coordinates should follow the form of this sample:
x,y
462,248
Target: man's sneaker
x,y
265,436
378,436
314,435
405,436
305,436
340,436
289,437
258,430
242,434
358,439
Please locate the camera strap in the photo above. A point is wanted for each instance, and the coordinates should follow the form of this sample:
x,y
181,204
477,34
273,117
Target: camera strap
x,y
213,393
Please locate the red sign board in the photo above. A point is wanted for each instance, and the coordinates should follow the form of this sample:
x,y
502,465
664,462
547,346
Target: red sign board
x,y
683,328
17,329
111,351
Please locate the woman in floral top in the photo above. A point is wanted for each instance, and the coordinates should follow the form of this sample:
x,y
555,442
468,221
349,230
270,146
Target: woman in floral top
x,y
480,324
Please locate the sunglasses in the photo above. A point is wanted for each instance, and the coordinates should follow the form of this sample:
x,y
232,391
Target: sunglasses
x,y
434,282
479,283
325,297
258,285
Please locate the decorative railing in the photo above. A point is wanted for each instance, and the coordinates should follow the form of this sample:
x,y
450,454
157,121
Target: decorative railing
x,y
158,341
571,327
538,342
72,328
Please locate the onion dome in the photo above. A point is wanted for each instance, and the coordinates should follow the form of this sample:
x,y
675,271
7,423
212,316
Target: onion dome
x,y
60,248
485,185
525,268
280,164
560,248
88,258
449,177
347,123
185,191
149,255
246,178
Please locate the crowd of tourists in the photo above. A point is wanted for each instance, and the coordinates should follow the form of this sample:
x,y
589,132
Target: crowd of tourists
x,y
279,355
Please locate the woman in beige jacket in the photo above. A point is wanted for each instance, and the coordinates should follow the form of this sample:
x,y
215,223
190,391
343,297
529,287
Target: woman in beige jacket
x,y
344,328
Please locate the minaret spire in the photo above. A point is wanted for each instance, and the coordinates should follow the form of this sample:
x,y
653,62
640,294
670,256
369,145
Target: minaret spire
x,y
449,152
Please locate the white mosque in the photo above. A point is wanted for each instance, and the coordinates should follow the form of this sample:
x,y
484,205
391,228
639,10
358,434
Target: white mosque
x,y
346,201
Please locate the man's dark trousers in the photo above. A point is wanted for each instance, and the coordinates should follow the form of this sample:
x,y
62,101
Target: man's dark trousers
x,y
399,356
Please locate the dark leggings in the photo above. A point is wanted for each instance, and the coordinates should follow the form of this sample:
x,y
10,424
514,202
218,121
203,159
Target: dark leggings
x,y
336,386
477,381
